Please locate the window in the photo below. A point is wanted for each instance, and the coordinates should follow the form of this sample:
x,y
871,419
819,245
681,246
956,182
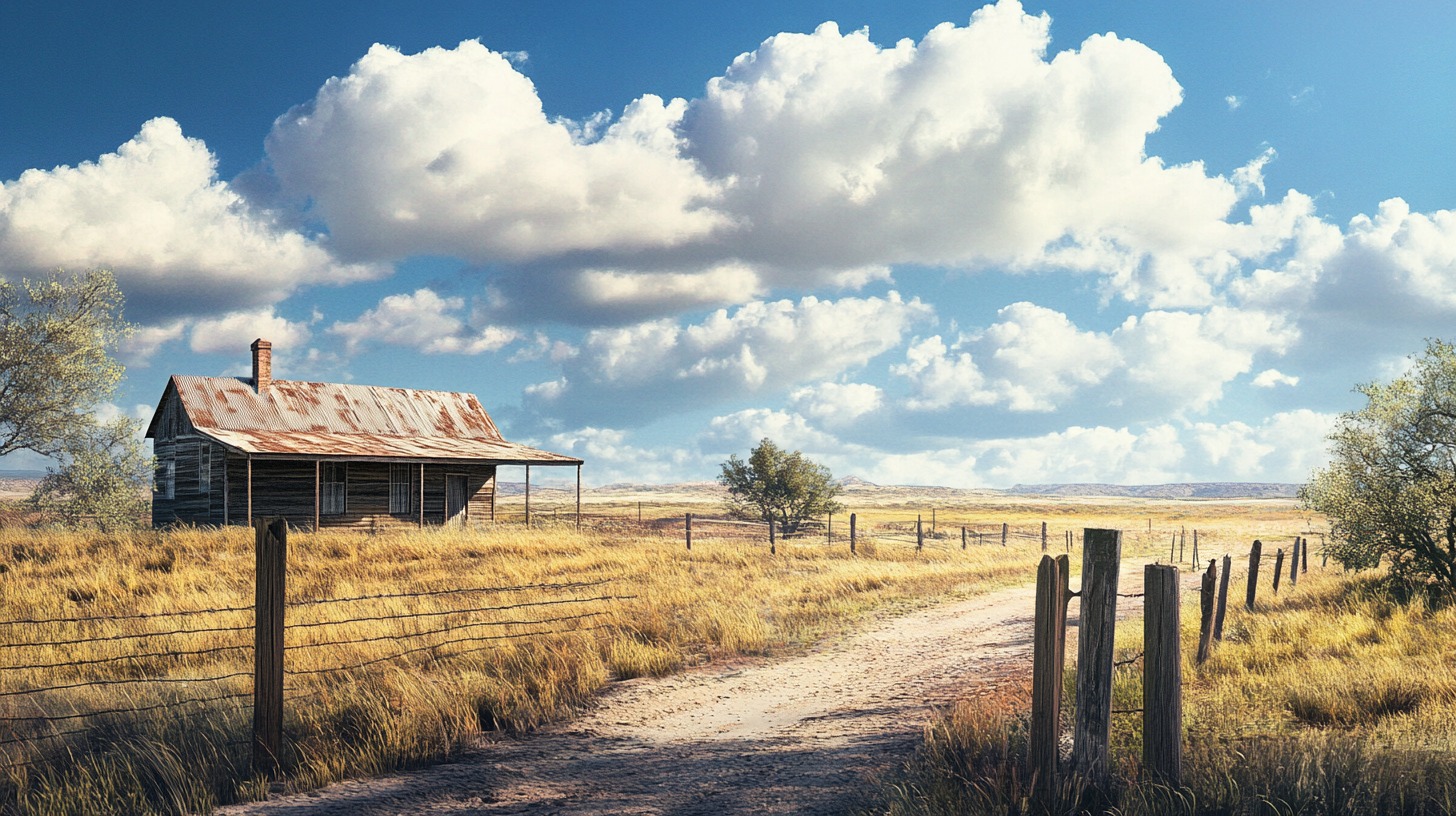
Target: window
x,y
333,485
204,468
164,481
400,495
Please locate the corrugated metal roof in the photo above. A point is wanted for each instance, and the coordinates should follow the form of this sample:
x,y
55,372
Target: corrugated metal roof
x,y
336,419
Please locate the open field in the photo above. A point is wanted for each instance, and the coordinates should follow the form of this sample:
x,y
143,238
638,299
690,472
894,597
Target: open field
x,y
362,703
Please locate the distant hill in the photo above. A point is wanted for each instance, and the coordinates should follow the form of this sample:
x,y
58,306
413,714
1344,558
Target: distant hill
x,y
1197,490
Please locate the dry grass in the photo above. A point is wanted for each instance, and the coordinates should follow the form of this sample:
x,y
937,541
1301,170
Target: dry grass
x,y
1336,697
723,598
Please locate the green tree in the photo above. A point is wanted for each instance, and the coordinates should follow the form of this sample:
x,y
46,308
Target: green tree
x,y
1389,489
101,479
57,335
777,485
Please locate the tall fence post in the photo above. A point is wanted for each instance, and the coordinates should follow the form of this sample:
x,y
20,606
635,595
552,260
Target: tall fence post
x,y
1004,530
1196,560
1043,537
963,538
1162,676
829,530
1304,555
1207,608
1182,543
773,546
919,535
1294,564
1223,582
271,551
1101,564
1047,659
688,528
1253,574
932,521
1278,568
851,533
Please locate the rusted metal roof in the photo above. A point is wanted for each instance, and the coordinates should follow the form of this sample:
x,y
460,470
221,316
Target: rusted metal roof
x,y
335,419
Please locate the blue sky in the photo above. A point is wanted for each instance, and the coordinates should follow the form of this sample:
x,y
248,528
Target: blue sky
x,y
962,245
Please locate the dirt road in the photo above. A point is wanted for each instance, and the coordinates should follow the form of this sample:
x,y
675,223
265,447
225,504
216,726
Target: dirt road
x,y
791,736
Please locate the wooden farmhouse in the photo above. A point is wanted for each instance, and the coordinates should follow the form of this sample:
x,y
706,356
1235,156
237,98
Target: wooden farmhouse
x,y
326,455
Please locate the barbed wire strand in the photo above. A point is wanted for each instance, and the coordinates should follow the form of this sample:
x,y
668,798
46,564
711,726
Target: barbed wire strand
x,y
131,636
441,645
132,710
126,681
120,658
378,638
502,608
133,616
457,591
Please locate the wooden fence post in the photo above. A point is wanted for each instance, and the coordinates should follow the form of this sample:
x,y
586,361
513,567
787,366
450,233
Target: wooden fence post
x,y
1043,537
688,528
932,522
1253,574
1294,564
1196,560
851,533
829,530
1101,565
1223,582
1172,548
919,535
1004,530
1278,568
1207,604
1162,676
1048,655
773,547
1304,555
963,538
1182,544
271,551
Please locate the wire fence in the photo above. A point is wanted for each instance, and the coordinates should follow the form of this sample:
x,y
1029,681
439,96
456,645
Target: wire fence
x,y
73,684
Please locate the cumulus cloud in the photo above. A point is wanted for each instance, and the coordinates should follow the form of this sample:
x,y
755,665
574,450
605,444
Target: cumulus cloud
x,y
423,321
180,241
1271,377
1034,359
234,333
449,151
836,405
635,373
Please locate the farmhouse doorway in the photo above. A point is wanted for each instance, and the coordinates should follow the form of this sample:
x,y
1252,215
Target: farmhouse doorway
x,y
456,500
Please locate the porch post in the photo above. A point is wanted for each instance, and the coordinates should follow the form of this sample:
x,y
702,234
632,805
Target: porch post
x,y
422,495
317,466
528,495
578,497
250,488
226,495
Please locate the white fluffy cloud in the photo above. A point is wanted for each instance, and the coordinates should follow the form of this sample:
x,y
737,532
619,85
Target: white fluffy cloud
x,y
449,152
235,332
180,241
760,348
1036,359
836,405
423,321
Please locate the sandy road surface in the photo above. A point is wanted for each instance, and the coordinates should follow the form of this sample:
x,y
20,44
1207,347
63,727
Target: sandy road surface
x,y
789,736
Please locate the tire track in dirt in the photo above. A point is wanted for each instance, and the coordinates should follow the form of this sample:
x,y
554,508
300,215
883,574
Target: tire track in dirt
x,y
802,735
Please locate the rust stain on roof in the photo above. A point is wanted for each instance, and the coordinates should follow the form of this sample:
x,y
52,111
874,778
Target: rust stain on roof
x,y
336,419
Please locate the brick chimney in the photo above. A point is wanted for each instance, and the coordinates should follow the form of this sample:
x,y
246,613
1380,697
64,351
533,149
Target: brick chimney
x,y
262,365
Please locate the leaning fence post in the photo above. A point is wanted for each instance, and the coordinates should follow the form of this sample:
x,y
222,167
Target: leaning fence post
x,y
271,552
1101,564
1253,574
688,528
1047,657
1294,564
1223,582
851,533
1278,568
919,535
1162,676
1207,605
